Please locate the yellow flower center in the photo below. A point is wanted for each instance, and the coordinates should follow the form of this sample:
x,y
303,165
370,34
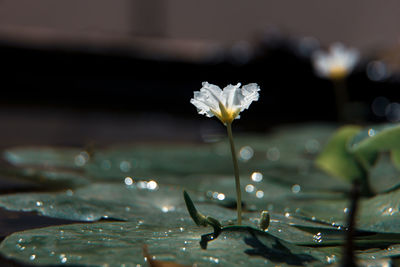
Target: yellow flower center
x,y
337,72
226,115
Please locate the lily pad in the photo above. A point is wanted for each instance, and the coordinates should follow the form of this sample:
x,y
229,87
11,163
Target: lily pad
x,y
44,156
296,146
47,178
121,243
110,201
377,214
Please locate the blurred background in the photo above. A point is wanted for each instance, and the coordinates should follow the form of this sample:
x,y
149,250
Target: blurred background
x,y
105,72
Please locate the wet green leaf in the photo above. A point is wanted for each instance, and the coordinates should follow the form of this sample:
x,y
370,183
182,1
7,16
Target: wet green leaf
x,y
337,160
47,178
142,185
368,143
119,243
43,156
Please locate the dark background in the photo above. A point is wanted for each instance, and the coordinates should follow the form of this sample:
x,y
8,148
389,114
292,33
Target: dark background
x,y
98,72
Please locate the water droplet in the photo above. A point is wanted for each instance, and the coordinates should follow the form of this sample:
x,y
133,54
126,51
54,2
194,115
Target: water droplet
x,y
345,210
250,188
152,185
317,238
181,229
32,257
81,159
371,132
296,188
273,154
39,203
220,196
260,194
287,214
127,208
125,166
331,258
128,181
256,176
246,153
69,192
388,211
279,230
213,259
167,208
312,146
63,258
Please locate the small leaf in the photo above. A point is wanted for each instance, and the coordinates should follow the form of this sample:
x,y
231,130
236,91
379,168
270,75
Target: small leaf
x,y
337,160
368,143
199,218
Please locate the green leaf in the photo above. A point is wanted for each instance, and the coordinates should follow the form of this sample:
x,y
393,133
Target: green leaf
x,y
199,218
47,178
337,160
162,205
120,243
368,143
395,156
43,156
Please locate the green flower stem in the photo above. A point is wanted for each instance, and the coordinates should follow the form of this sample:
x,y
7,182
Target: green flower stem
x,y
237,179
341,97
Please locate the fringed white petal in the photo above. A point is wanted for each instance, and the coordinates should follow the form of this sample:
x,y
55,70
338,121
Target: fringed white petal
x,y
250,94
225,104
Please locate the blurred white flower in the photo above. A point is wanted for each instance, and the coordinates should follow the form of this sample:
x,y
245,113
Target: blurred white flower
x,y
337,63
224,104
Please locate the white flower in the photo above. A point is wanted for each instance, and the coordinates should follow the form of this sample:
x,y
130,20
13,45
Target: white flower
x,y
337,63
224,104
